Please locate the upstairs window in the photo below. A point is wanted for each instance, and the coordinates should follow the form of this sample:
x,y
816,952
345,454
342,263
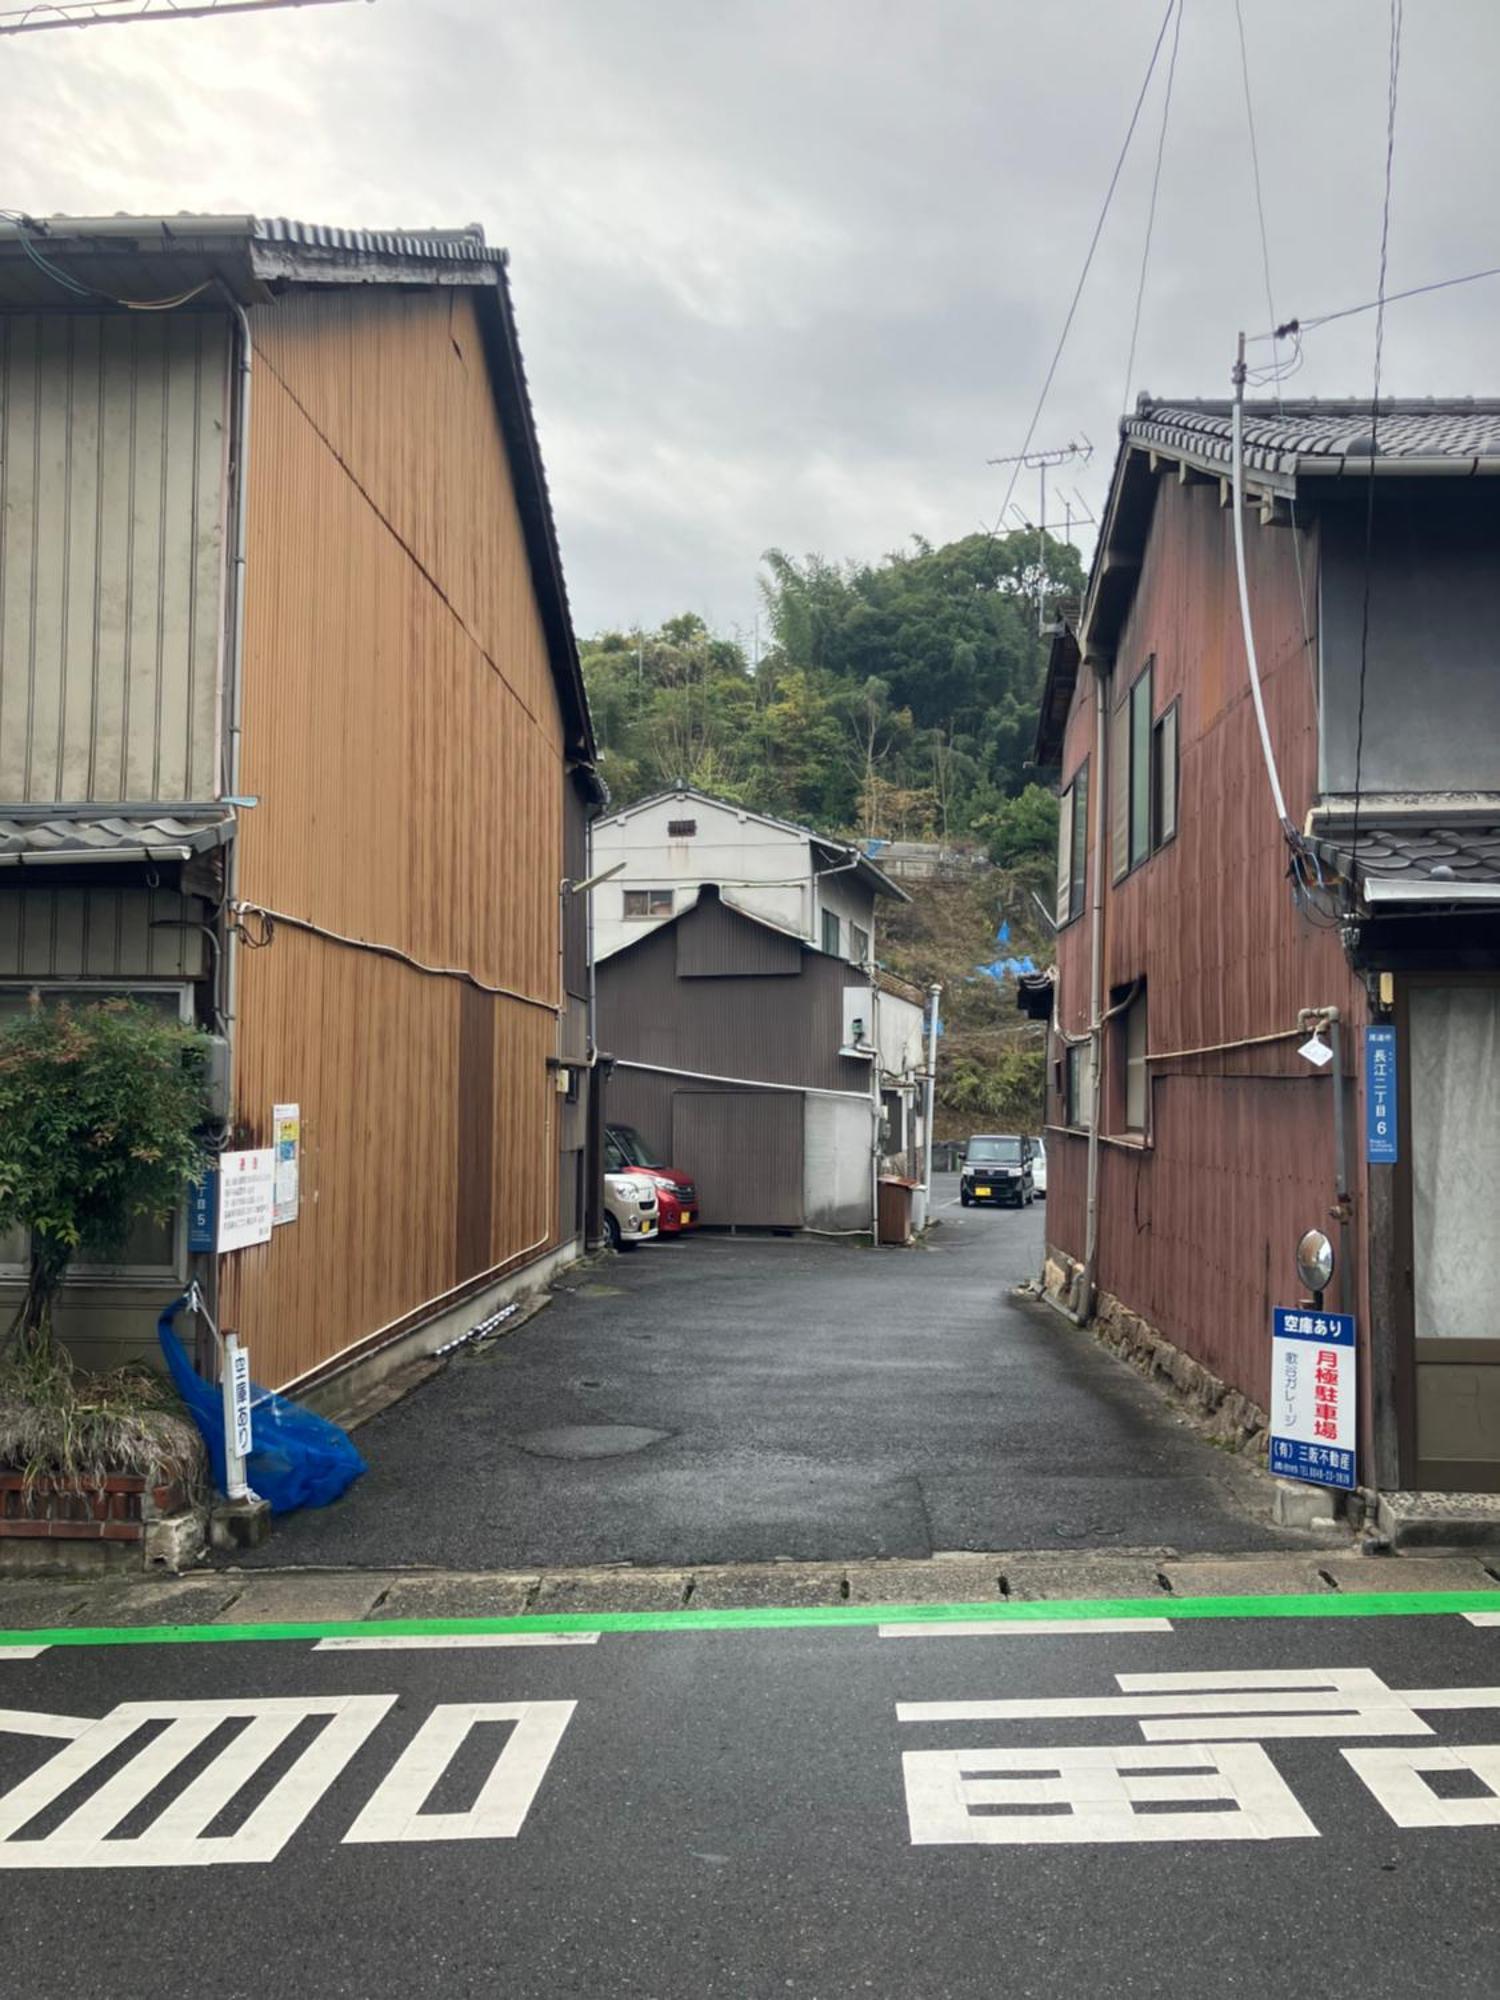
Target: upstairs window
x,y
831,933
648,902
859,945
1143,775
681,829
1073,847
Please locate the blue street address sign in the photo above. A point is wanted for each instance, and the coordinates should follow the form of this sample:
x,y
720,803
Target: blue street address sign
x,y
1381,1149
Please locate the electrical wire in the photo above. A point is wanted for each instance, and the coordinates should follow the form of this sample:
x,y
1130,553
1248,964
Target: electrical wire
x,y
1276,376
1161,146
1067,327
24,224
1392,92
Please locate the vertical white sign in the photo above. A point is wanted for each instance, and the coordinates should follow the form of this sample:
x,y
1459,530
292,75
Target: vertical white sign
x,y
286,1141
246,1193
237,1428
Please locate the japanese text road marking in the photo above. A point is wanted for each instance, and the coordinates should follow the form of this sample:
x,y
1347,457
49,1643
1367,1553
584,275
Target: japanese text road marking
x,y
396,1811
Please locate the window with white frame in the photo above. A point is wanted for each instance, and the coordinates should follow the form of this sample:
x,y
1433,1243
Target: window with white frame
x,y
859,944
152,1251
648,902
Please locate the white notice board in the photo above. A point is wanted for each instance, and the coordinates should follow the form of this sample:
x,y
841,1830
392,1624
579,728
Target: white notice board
x,y
247,1192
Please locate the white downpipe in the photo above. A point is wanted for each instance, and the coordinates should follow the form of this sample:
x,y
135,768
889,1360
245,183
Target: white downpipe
x,y
876,1067
1239,565
934,994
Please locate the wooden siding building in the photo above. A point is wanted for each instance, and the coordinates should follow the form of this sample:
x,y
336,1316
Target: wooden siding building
x,y
288,661
1200,938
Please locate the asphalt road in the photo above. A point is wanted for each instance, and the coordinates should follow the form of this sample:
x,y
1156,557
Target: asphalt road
x,y
742,1399
687,1813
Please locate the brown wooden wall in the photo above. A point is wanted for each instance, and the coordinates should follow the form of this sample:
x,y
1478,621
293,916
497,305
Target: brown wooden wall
x,y
1197,1227
402,733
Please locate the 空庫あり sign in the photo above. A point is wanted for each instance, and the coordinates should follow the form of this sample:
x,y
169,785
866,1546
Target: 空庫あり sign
x,y
1313,1408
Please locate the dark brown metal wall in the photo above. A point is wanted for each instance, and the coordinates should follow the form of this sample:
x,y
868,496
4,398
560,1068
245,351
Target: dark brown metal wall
x,y
713,941
765,1028
1197,1228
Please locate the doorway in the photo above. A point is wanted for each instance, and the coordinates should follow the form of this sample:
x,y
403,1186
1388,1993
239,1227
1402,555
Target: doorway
x,y
1453,1092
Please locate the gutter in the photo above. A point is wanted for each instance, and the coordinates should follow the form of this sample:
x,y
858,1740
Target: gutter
x,y
235,676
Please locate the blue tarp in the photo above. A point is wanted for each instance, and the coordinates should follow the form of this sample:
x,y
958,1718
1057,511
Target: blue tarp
x,y
299,1459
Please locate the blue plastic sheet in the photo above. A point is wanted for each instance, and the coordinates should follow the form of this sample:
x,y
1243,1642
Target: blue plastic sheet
x,y
299,1459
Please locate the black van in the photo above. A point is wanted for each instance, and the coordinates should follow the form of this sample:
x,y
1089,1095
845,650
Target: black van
x,y
997,1168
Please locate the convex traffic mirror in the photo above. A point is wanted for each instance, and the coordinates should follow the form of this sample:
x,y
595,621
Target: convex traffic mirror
x,y
1315,1261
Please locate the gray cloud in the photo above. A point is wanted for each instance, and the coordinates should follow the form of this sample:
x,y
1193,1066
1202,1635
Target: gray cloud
x,y
789,273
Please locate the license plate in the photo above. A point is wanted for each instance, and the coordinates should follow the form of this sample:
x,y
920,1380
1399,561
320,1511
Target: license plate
x,y
688,1221
983,1190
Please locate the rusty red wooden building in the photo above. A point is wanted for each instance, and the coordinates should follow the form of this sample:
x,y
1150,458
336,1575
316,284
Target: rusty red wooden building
x,y
1203,930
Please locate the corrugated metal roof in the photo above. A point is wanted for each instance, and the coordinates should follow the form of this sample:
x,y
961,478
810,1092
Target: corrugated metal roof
x,y
1277,436
29,840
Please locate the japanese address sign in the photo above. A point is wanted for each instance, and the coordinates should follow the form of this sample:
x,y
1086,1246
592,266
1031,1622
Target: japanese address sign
x,y
1381,1148
1313,1409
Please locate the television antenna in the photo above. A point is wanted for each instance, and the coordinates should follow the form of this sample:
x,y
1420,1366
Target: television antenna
x,y
44,14
1040,462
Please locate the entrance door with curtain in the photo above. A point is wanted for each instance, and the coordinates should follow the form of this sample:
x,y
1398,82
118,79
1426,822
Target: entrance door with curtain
x,y
1453,1081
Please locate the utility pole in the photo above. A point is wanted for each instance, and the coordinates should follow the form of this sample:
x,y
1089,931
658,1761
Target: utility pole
x,y
1038,462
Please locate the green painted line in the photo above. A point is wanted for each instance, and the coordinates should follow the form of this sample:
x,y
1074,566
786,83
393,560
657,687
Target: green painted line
x,y
1354,1604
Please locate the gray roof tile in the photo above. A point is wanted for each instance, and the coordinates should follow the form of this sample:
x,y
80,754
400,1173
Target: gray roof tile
x,y
109,836
1277,435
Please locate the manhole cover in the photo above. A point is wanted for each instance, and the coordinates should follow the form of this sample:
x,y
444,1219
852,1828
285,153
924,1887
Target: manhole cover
x,y
589,1441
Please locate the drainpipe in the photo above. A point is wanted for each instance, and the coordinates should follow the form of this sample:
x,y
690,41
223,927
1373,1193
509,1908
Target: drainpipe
x,y
934,993
874,1132
235,669
1084,1310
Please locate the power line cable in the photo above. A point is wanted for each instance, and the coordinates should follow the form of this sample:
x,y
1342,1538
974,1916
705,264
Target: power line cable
x,y
1161,146
1317,320
1276,376
1109,195
1392,91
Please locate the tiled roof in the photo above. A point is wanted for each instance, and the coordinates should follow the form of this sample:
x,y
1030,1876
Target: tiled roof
x,y
1416,861
123,835
1278,436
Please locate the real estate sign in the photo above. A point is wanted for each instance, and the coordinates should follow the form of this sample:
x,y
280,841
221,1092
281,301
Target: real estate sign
x,y
1313,1408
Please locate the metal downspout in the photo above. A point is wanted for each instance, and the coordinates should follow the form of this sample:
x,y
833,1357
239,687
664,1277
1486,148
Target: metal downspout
x,y
1084,1309
934,993
235,666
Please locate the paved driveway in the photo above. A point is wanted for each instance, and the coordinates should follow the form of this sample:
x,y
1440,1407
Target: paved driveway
x,y
739,1399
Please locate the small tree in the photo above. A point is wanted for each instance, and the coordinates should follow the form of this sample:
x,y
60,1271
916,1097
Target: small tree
x,y
100,1110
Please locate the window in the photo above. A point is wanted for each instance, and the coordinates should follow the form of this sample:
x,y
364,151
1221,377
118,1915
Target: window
x,y
681,829
1078,1084
1143,775
1164,777
1073,847
1137,1073
648,902
859,945
831,933
152,1251
992,1151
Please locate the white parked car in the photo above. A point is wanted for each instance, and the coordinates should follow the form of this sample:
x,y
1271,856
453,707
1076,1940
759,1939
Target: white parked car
x,y
1039,1168
630,1209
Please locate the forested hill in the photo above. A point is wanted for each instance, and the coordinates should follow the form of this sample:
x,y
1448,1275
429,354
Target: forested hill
x,y
894,700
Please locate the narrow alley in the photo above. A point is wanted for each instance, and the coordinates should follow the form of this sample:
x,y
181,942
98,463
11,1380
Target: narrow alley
x,y
738,1399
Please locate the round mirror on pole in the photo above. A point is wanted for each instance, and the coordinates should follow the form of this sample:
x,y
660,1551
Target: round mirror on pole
x,y
1315,1261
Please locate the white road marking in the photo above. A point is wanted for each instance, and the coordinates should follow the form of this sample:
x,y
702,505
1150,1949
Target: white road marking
x,y
1341,1701
177,1837
499,1812
1394,1776
1094,1792
27,1722
1483,1617
20,1652
1006,1628
416,1642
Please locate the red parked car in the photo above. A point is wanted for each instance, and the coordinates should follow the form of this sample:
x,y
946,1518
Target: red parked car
x,y
625,1151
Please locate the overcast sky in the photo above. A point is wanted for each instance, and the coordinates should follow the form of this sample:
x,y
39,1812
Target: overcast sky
x,y
788,274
